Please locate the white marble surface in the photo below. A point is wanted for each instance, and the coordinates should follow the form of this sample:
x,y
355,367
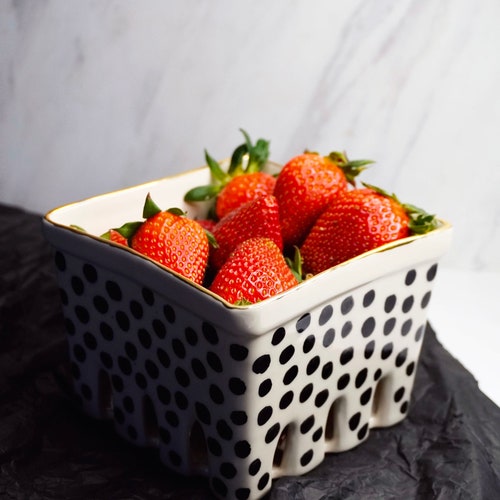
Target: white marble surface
x,y
96,96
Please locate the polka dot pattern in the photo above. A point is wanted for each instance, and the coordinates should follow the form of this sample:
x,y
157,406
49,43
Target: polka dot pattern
x,y
161,373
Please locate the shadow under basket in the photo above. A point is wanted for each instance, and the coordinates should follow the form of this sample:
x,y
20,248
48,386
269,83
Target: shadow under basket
x,y
240,395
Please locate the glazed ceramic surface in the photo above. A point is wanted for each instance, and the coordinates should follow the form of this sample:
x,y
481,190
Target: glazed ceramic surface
x,y
241,395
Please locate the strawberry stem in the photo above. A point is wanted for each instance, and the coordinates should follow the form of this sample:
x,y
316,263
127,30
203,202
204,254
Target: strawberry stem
x,y
295,265
351,168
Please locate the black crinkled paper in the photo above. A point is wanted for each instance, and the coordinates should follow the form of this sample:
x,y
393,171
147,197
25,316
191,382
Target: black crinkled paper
x,y
448,447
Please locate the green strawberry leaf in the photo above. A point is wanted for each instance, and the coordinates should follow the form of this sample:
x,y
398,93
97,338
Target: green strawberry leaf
x,y
176,211
74,226
150,207
236,165
218,174
202,193
211,239
127,230
295,265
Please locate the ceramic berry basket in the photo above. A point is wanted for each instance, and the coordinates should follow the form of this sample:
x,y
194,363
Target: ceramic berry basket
x,y
241,395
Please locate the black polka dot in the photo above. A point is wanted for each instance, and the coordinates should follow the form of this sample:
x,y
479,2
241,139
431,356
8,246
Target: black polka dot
x,y
242,449
377,374
329,337
227,470
100,304
318,434
363,432
306,392
263,481
261,364
401,357
238,352
386,350
254,467
216,395
327,370
159,328
181,400
114,290
354,421
169,313
306,458
404,407
77,285
369,349
278,336
368,326
128,404
148,296
308,343
86,392
131,351
272,433
151,369
178,348
224,430
425,300
347,305
82,314
398,395
198,369
64,296
90,341
163,357
172,418
141,380
410,369
136,309
191,336
124,365
361,377
307,425
219,487
389,304
214,362
90,273
419,333
106,360
325,315
60,261
118,415
117,383
182,376
346,329
265,387
343,381
164,434
290,375
406,327
237,386
303,322
242,493
287,354
286,400
321,398
368,298
313,365
70,326
408,304
203,413
164,394
389,326
264,415
123,321
364,399
239,417
346,355
410,277
144,338
210,333
214,447
431,273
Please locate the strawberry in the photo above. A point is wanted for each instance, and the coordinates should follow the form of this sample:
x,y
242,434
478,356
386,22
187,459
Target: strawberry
x,y
231,189
258,217
305,187
255,271
357,221
172,239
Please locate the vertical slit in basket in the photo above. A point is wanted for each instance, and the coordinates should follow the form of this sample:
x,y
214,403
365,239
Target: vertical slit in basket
x,y
332,421
378,397
198,453
281,447
104,394
150,420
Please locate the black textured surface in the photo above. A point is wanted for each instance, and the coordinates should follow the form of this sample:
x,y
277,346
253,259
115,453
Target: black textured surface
x,y
447,448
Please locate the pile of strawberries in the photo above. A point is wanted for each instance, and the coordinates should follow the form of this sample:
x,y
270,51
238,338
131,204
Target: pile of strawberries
x,y
266,233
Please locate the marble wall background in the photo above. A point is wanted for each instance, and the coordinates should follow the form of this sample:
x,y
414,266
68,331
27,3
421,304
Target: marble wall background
x,y
96,96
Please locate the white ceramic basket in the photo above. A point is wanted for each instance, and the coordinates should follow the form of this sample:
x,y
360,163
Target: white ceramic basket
x,y
241,395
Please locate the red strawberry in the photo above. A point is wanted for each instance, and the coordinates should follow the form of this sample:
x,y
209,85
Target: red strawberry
x,y
247,160
173,240
115,236
207,224
356,222
259,217
305,187
241,189
255,271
